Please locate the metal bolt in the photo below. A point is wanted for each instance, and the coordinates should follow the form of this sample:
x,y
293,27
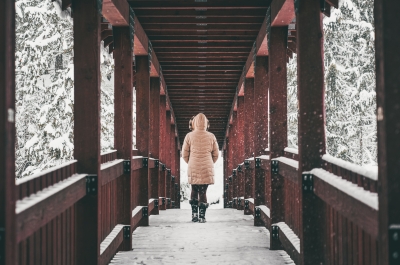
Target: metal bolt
x,y
92,179
395,236
395,255
305,187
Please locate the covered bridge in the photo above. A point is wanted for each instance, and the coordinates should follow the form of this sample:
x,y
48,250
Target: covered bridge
x,y
226,59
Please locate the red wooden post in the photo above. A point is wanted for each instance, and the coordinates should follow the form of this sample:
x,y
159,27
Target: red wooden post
x,y
177,177
173,169
388,114
7,133
154,146
87,126
240,148
233,157
168,158
310,76
123,116
226,173
278,119
141,176
261,87
248,138
163,150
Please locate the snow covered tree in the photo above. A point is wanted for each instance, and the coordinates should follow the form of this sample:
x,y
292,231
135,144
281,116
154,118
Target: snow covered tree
x,y
350,82
44,87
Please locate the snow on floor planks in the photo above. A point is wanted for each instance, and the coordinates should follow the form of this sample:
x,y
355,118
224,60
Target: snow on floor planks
x,y
228,237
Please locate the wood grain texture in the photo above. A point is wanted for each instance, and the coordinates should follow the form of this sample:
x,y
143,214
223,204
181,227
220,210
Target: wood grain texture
x,y
7,133
87,125
310,80
37,210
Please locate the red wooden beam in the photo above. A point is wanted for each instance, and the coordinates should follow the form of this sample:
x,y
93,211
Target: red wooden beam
x,y
87,125
123,115
7,133
388,117
262,41
261,88
282,12
154,137
312,146
116,12
278,119
141,184
163,151
248,138
182,5
141,41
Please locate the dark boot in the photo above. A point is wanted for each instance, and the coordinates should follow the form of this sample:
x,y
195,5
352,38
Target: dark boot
x,y
195,208
202,216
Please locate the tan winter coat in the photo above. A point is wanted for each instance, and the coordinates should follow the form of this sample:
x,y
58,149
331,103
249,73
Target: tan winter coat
x,y
200,150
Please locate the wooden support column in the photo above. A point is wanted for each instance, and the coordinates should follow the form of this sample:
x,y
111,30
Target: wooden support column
x,y
8,243
233,157
178,176
87,126
388,116
240,148
123,117
248,138
154,146
226,177
261,87
168,154
163,150
173,169
141,176
278,119
310,80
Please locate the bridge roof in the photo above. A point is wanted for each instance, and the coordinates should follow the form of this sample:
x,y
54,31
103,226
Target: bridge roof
x,y
202,47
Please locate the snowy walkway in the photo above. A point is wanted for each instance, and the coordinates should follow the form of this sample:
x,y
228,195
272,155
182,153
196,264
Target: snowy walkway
x,y
228,237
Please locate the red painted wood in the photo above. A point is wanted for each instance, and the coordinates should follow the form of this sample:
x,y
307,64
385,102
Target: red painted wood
x,y
177,176
141,184
233,155
87,124
278,119
388,96
7,133
168,155
123,116
154,137
163,150
310,74
261,87
248,138
240,146
173,148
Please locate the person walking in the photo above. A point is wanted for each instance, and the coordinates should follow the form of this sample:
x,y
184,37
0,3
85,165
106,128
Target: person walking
x,y
200,150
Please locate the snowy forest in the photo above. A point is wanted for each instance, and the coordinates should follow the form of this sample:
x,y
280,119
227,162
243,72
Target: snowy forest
x,y
44,86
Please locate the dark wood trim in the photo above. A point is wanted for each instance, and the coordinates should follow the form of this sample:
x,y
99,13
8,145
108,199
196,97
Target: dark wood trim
x,y
123,117
37,210
117,236
87,125
7,133
278,119
388,117
356,211
141,176
310,81
112,170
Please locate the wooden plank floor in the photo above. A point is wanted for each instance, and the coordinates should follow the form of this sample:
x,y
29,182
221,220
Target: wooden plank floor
x,y
228,237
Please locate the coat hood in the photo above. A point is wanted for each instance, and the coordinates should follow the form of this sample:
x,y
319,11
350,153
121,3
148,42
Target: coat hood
x,y
200,122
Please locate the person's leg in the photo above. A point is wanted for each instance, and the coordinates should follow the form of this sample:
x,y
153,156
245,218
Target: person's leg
x,y
194,202
203,193
203,203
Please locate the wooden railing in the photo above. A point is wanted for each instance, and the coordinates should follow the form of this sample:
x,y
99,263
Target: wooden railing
x,y
46,209
349,212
